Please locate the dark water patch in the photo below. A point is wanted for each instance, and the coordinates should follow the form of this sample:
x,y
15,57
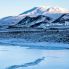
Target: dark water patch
x,y
27,64
46,48
67,48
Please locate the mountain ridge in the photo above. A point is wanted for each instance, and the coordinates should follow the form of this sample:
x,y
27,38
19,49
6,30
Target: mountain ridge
x,y
42,10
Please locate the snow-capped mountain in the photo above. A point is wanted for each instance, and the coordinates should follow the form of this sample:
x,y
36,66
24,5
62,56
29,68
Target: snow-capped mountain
x,y
37,17
37,24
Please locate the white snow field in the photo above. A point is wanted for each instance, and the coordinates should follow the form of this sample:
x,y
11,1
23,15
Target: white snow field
x,y
18,57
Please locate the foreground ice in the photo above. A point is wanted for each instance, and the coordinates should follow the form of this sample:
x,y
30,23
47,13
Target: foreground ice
x,y
18,57
27,64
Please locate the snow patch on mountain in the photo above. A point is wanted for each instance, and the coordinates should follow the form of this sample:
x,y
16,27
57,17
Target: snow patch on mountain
x,y
57,10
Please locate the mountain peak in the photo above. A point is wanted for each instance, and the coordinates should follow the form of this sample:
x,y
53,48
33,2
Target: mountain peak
x,y
34,11
41,10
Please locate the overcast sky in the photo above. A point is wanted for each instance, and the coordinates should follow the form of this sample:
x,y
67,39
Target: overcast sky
x,y
15,7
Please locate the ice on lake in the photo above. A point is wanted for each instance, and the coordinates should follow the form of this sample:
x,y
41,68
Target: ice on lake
x,y
18,57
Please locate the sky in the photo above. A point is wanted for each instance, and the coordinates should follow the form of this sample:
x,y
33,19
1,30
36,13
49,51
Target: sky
x,y
15,7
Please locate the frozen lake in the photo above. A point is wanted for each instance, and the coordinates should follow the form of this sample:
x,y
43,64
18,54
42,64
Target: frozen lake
x,y
16,57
